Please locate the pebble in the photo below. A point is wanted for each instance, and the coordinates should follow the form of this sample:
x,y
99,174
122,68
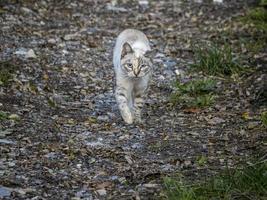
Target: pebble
x,y
30,54
102,192
218,1
118,9
70,37
52,41
151,185
104,118
4,192
4,141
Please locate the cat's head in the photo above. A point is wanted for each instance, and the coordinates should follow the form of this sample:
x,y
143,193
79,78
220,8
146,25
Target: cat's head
x,y
133,64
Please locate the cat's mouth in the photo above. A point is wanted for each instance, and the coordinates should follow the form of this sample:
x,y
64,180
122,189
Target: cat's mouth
x,y
136,77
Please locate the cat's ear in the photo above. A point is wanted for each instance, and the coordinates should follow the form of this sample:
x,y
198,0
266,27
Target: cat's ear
x,y
126,49
150,54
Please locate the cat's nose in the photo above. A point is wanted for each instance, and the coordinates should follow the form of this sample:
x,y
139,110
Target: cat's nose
x,y
136,72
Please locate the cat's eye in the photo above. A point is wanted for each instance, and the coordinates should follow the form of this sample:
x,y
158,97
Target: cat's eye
x,y
129,65
143,66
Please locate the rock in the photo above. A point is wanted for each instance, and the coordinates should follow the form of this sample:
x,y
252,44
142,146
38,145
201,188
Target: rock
x,y
11,164
215,120
21,51
102,192
52,41
4,141
137,146
143,2
128,159
116,9
218,1
252,125
151,185
187,163
83,194
5,132
14,117
5,192
51,155
30,54
26,10
104,118
71,37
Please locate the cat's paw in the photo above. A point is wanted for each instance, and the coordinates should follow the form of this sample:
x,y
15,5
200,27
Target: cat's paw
x,y
128,120
127,117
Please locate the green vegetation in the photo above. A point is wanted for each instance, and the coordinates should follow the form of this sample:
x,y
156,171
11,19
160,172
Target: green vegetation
x,y
6,73
215,60
264,118
247,183
255,45
195,93
258,16
7,116
3,116
263,3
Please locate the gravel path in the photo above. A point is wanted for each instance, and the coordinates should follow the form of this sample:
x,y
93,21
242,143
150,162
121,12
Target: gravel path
x,y
63,137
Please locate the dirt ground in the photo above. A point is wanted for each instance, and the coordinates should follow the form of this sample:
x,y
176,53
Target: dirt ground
x,y
64,138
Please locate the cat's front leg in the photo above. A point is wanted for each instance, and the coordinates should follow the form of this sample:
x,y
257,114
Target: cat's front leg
x,y
123,103
139,100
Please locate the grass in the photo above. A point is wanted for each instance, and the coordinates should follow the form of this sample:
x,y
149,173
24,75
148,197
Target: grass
x,y
258,16
255,45
247,183
195,93
215,60
3,116
6,73
263,3
264,118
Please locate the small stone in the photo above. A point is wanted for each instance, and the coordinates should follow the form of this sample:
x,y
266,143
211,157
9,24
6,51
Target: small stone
x,y
128,159
218,1
26,10
116,9
52,41
11,164
4,141
5,132
252,125
193,133
215,120
104,118
143,2
30,54
102,192
70,37
137,146
14,117
187,163
4,192
51,155
151,185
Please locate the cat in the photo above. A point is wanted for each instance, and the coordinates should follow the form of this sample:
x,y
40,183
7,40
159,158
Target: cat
x,y
133,70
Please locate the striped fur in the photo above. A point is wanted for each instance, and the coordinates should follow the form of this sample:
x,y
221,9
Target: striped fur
x,y
133,71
